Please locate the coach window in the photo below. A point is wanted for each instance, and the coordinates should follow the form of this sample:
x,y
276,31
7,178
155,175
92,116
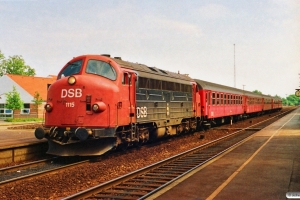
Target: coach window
x,y
224,99
218,98
221,99
213,98
101,68
228,99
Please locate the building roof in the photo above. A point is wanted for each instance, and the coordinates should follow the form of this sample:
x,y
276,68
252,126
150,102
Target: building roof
x,y
27,85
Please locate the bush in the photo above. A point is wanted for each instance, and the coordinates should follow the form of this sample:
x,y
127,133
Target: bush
x,y
23,120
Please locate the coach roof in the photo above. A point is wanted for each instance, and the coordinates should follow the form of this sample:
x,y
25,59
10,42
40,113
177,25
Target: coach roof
x,y
205,85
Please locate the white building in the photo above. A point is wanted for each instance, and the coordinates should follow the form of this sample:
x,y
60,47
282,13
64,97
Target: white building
x,y
26,86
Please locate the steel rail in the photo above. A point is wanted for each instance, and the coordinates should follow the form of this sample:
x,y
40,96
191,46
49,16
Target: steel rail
x,y
144,182
27,166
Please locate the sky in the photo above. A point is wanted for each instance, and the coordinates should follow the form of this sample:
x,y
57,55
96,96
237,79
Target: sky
x,y
251,45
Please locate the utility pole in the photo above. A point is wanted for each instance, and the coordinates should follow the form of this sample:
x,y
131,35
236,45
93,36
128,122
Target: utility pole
x,y
234,63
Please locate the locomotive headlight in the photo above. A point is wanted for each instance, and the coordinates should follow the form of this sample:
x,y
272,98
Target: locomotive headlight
x,y
48,107
99,107
71,80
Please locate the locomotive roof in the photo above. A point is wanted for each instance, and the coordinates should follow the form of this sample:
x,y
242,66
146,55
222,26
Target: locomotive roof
x,y
205,85
153,72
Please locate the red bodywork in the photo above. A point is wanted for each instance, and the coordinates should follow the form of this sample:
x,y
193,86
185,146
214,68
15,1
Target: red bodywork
x,y
72,103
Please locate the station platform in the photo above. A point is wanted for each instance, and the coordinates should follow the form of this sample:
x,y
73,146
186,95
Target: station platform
x,y
10,138
266,166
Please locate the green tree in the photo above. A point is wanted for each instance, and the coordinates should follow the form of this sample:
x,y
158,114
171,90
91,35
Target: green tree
x,y
14,65
291,100
257,92
13,100
37,99
2,63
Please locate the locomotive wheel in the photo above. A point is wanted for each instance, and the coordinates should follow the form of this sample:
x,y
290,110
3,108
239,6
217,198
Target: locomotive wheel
x,y
123,147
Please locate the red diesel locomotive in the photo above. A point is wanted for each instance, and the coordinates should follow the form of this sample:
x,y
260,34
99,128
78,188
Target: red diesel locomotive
x,y
99,103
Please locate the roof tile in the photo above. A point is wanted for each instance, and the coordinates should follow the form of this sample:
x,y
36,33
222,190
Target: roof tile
x,y
34,84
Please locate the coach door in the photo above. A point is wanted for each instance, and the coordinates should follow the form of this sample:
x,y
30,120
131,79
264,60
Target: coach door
x,y
208,102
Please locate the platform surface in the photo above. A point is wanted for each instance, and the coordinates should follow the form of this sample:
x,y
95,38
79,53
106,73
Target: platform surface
x,y
10,138
267,166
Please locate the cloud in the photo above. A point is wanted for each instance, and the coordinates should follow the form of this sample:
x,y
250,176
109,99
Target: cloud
x,y
212,11
172,27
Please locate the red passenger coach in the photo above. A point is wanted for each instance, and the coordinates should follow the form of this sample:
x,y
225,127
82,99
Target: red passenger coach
x,y
220,103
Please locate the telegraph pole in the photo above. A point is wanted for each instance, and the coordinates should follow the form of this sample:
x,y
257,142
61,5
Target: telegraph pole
x,y
234,63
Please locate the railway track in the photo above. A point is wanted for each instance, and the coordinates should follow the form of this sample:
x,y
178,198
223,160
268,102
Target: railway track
x,y
37,168
143,183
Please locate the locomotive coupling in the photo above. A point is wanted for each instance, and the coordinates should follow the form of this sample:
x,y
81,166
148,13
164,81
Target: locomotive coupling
x,y
81,133
39,133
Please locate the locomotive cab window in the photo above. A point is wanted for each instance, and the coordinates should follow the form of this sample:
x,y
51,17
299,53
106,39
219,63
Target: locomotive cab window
x,y
101,68
71,69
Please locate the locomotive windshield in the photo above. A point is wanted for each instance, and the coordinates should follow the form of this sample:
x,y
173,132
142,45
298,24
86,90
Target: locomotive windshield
x,y
101,68
72,68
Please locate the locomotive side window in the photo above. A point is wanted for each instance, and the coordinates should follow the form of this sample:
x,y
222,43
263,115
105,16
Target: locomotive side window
x,y
156,84
101,68
70,69
125,79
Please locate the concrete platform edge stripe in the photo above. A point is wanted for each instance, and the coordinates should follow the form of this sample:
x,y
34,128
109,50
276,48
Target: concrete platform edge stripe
x,y
225,183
